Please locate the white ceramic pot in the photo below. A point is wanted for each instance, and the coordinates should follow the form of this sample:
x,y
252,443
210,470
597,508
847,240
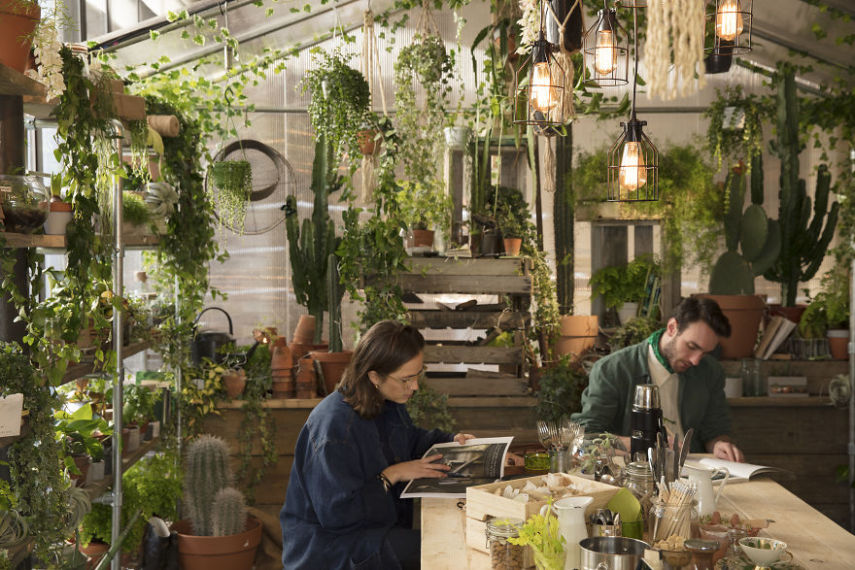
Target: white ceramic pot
x,y
627,311
457,137
56,222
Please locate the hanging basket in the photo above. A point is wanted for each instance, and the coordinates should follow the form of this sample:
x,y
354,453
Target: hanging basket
x,y
232,180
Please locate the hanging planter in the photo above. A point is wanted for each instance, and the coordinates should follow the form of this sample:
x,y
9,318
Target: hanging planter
x,y
232,181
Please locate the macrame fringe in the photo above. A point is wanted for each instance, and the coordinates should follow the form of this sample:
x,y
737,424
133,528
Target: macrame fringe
x,y
548,170
369,179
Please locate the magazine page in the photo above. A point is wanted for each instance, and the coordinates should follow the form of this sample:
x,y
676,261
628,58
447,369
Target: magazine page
x,y
476,462
737,470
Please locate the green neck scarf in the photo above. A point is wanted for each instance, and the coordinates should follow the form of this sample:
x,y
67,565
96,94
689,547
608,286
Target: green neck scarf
x,y
653,340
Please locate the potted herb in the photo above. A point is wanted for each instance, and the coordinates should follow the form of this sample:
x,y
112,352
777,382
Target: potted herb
x,y
623,287
827,315
513,229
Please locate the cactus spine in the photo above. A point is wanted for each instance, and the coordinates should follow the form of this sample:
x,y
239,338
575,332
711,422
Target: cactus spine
x,y
311,245
229,512
207,473
751,232
804,241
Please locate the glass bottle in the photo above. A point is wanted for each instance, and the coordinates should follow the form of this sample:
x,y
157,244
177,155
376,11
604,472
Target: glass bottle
x,y
503,554
751,379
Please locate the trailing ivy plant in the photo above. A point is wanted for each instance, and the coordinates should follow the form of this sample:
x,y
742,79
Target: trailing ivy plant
x,y
35,459
735,143
420,127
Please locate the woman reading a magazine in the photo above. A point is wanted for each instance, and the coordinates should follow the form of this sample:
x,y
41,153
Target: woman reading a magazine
x,y
358,447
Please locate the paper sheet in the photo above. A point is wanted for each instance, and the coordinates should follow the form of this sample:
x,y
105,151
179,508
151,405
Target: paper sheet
x,y
10,415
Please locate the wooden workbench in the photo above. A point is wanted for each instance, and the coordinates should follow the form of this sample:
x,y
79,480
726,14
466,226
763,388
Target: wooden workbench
x,y
814,540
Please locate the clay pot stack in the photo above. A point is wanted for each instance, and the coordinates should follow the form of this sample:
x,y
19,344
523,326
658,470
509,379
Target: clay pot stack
x,y
306,383
282,367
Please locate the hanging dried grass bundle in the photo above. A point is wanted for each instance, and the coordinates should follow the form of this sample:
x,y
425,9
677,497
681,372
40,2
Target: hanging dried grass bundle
x,y
675,34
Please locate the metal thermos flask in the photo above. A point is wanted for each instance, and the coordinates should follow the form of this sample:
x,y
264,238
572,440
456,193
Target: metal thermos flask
x,y
646,419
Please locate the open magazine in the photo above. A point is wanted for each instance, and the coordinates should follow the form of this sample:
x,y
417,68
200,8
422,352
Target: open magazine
x,y
476,462
736,470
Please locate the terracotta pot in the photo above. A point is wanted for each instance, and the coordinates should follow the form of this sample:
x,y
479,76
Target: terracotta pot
x,y
94,552
281,357
235,552
82,464
234,382
305,331
19,21
422,238
744,313
838,343
367,141
578,334
333,365
512,246
283,388
299,350
793,313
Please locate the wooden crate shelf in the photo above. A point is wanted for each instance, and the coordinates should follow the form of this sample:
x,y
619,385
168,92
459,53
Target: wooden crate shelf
x,y
79,370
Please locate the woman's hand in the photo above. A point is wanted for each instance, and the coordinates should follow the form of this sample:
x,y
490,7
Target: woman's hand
x,y
462,438
427,467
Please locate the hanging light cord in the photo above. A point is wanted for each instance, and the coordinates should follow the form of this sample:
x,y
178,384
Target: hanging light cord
x,y
635,45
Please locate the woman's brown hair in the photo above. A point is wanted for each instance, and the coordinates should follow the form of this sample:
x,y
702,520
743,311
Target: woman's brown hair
x,y
386,346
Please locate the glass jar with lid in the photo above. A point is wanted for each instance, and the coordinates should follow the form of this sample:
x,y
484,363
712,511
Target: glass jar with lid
x,y
24,203
638,480
503,554
669,519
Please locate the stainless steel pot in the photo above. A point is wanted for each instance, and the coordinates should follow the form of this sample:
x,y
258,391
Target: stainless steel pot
x,y
611,553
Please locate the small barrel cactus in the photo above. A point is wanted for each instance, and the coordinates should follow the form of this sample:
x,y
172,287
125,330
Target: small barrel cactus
x,y
229,512
207,471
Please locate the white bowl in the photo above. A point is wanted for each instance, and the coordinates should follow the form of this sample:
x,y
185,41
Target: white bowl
x,y
762,551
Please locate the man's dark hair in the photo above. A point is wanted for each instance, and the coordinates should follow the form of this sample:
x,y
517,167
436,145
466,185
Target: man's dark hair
x,y
694,309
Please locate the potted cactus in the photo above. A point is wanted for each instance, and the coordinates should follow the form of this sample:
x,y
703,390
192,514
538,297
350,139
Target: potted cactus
x,y
753,244
217,534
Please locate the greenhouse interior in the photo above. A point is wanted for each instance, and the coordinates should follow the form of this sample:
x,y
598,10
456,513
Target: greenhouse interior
x,y
498,284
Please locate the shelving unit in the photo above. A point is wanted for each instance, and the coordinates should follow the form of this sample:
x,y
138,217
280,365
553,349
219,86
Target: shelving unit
x,y
58,242
98,488
481,402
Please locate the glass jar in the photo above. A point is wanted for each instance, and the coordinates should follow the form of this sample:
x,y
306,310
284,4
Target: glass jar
x,y
752,384
24,203
638,479
668,520
503,554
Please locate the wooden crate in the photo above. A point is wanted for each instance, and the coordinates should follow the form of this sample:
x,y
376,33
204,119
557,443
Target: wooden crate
x,y
482,503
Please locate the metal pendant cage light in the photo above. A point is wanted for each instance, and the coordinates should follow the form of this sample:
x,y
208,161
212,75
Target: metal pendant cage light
x,y
633,169
731,23
606,49
539,96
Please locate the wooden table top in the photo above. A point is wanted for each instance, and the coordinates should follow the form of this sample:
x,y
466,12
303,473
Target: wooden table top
x,y
814,540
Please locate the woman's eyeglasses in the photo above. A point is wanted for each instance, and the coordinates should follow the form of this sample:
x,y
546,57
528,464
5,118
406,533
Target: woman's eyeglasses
x,y
405,380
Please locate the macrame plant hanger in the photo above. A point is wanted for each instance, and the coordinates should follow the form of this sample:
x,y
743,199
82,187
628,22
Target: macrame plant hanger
x,y
426,24
373,74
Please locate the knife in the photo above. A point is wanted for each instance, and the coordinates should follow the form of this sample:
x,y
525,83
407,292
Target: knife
x,y
687,444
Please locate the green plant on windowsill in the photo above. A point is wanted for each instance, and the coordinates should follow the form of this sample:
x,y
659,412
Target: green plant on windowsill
x,y
624,283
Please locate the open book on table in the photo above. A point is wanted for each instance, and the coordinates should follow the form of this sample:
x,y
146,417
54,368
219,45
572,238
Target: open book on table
x,y
476,462
736,470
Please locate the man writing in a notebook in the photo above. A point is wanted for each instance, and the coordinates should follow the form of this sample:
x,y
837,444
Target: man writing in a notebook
x,y
691,382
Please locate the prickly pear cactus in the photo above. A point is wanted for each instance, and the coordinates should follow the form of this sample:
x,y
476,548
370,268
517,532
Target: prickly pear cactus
x,y
753,240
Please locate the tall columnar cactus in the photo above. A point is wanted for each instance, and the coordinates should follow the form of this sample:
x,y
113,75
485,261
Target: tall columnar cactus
x,y
804,241
753,241
228,512
311,245
334,294
206,472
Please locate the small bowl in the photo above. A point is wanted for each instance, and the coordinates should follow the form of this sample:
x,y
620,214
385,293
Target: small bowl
x,y
762,551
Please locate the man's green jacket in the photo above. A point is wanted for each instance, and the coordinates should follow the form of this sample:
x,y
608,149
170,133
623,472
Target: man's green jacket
x,y
607,401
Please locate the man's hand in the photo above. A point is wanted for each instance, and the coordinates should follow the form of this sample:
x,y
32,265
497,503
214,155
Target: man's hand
x,y
724,449
462,438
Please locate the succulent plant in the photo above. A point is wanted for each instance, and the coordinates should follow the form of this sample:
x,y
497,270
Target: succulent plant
x,y
206,474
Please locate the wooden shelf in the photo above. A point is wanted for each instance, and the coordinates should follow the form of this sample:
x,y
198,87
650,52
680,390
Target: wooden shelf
x,y
16,83
274,403
58,242
127,107
98,488
780,402
79,370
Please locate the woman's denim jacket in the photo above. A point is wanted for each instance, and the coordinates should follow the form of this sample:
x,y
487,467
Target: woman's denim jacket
x,y
336,512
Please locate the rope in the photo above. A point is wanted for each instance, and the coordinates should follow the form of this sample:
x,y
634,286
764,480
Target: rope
x,y
562,24
549,166
567,110
426,25
371,61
